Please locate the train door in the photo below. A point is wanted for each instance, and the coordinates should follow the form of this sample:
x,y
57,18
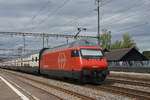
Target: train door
x,y
76,63
75,59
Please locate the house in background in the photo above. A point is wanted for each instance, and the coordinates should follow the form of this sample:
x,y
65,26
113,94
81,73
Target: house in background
x,y
127,60
126,54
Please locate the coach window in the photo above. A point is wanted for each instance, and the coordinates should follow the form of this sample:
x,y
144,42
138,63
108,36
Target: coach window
x,y
32,59
36,59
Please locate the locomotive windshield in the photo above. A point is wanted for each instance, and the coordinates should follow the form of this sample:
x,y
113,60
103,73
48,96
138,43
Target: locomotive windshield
x,y
91,53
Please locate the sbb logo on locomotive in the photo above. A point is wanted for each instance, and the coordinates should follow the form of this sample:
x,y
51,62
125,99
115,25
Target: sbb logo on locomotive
x,y
61,60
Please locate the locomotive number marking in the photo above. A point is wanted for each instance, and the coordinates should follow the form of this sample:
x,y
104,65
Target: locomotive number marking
x,y
61,60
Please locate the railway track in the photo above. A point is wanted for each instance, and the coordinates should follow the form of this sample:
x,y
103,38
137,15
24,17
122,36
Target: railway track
x,y
147,80
74,94
128,82
140,95
108,88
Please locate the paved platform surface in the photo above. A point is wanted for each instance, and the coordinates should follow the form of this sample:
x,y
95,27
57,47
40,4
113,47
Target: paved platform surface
x,y
131,75
6,93
14,88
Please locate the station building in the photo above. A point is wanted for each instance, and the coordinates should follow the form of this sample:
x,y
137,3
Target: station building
x,y
126,54
127,60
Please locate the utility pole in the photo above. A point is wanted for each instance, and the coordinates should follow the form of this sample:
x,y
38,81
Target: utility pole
x,y
43,40
67,40
98,20
47,41
24,41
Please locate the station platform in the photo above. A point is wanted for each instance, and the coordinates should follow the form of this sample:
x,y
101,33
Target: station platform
x,y
6,93
143,76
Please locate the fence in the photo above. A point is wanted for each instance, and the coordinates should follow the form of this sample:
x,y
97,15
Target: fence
x,y
130,66
130,63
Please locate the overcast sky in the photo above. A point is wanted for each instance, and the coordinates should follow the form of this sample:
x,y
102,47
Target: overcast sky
x,y
64,16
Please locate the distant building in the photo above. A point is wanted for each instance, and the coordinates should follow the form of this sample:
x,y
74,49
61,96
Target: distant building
x,y
126,54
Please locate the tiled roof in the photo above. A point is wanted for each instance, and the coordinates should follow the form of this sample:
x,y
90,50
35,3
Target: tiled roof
x,y
116,55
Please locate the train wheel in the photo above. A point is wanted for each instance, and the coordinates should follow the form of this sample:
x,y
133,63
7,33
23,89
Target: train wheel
x,y
99,80
82,80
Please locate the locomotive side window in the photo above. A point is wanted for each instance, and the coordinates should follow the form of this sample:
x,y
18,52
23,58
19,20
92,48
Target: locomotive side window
x,y
75,53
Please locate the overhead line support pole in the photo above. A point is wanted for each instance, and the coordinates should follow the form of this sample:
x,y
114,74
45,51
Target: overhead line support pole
x,y
47,41
98,21
24,41
43,40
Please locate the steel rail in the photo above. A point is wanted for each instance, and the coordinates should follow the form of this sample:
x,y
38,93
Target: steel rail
x,y
140,95
82,97
128,82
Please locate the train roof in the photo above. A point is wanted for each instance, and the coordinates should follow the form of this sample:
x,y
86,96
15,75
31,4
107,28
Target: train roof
x,y
79,43
82,43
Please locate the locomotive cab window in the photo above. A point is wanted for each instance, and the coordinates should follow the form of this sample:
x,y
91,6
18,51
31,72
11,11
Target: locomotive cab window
x,y
75,53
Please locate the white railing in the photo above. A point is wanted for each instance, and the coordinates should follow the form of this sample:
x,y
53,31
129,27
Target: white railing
x,y
129,63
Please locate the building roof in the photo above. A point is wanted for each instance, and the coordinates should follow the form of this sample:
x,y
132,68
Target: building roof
x,y
126,54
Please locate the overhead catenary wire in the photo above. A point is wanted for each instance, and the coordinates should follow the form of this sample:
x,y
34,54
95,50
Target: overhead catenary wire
x,y
130,7
42,34
125,17
39,11
120,20
52,13
125,30
106,2
75,20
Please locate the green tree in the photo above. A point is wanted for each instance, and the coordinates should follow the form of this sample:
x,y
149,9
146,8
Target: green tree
x,y
116,45
128,42
105,39
146,54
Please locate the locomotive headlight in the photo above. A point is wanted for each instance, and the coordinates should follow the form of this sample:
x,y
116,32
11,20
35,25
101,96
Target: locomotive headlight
x,y
95,66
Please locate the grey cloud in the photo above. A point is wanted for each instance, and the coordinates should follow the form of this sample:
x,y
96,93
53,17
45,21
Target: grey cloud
x,y
118,16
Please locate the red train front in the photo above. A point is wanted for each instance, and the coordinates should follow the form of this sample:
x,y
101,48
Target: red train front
x,y
79,60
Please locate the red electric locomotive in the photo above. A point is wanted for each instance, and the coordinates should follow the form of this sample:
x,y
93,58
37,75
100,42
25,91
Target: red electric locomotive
x,y
81,60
